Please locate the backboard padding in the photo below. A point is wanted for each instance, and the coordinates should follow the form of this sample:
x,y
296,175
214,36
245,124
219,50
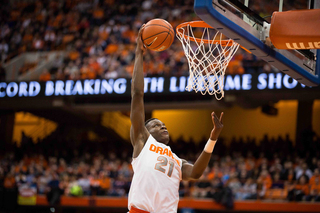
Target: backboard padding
x,y
250,37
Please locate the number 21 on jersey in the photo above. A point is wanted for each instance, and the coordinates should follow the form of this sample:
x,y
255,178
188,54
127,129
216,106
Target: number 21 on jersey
x,y
163,161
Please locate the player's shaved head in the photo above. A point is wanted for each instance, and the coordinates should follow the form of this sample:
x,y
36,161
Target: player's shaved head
x,y
151,119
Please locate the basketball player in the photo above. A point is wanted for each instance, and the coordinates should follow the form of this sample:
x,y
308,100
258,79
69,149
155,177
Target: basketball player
x,y
157,170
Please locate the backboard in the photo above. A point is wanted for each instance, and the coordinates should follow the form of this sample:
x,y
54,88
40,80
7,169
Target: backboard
x,y
247,24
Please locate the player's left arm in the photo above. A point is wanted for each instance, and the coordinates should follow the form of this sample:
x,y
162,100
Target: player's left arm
x,y
194,172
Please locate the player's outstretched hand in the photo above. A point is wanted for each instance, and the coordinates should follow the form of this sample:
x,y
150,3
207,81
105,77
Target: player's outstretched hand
x,y
217,126
140,46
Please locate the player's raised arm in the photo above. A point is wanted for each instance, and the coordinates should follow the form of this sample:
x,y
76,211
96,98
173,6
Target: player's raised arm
x,y
138,132
192,172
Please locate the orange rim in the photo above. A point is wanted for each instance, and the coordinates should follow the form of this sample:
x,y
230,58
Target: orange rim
x,y
203,24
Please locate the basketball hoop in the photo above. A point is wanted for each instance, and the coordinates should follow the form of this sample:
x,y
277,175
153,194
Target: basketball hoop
x,y
208,57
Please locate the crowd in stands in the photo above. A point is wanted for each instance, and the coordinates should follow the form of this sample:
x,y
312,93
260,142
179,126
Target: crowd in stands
x,y
100,36
100,168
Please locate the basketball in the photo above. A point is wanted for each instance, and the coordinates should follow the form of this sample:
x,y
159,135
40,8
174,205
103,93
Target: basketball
x,y
158,35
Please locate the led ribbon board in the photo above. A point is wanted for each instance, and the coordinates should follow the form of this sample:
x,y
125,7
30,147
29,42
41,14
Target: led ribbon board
x,y
152,85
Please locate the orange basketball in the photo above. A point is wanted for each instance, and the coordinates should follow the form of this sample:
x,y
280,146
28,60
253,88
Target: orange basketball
x,y
158,35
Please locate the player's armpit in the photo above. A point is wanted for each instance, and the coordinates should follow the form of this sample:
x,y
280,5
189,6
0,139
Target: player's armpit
x,y
186,170
194,172
138,140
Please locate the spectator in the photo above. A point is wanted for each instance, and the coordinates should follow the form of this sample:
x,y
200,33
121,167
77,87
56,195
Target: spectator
x,y
49,39
74,189
255,173
291,176
64,184
72,71
38,43
248,191
118,187
304,171
9,181
113,173
95,67
126,170
318,162
94,184
4,49
234,184
201,187
57,62
60,75
313,164
301,189
288,168
267,181
314,191
277,183
83,25
243,175
214,173
16,38
105,183
45,76
84,182
86,29
43,181
264,182
276,167
114,169
33,183
314,177
74,54
113,70
221,194
21,179
184,189
30,177
54,191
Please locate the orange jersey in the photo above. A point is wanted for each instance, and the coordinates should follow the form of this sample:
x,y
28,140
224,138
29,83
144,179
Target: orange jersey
x,y
156,179
312,180
304,188
315,188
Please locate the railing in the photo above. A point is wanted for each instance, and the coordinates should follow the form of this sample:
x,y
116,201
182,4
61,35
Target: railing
x,y
13,66
192,203
44,60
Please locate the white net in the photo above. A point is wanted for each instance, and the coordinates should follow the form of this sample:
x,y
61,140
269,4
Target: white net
x,y
208,57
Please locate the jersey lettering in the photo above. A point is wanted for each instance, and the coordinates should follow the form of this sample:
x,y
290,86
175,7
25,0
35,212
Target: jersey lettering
x,y
161,151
